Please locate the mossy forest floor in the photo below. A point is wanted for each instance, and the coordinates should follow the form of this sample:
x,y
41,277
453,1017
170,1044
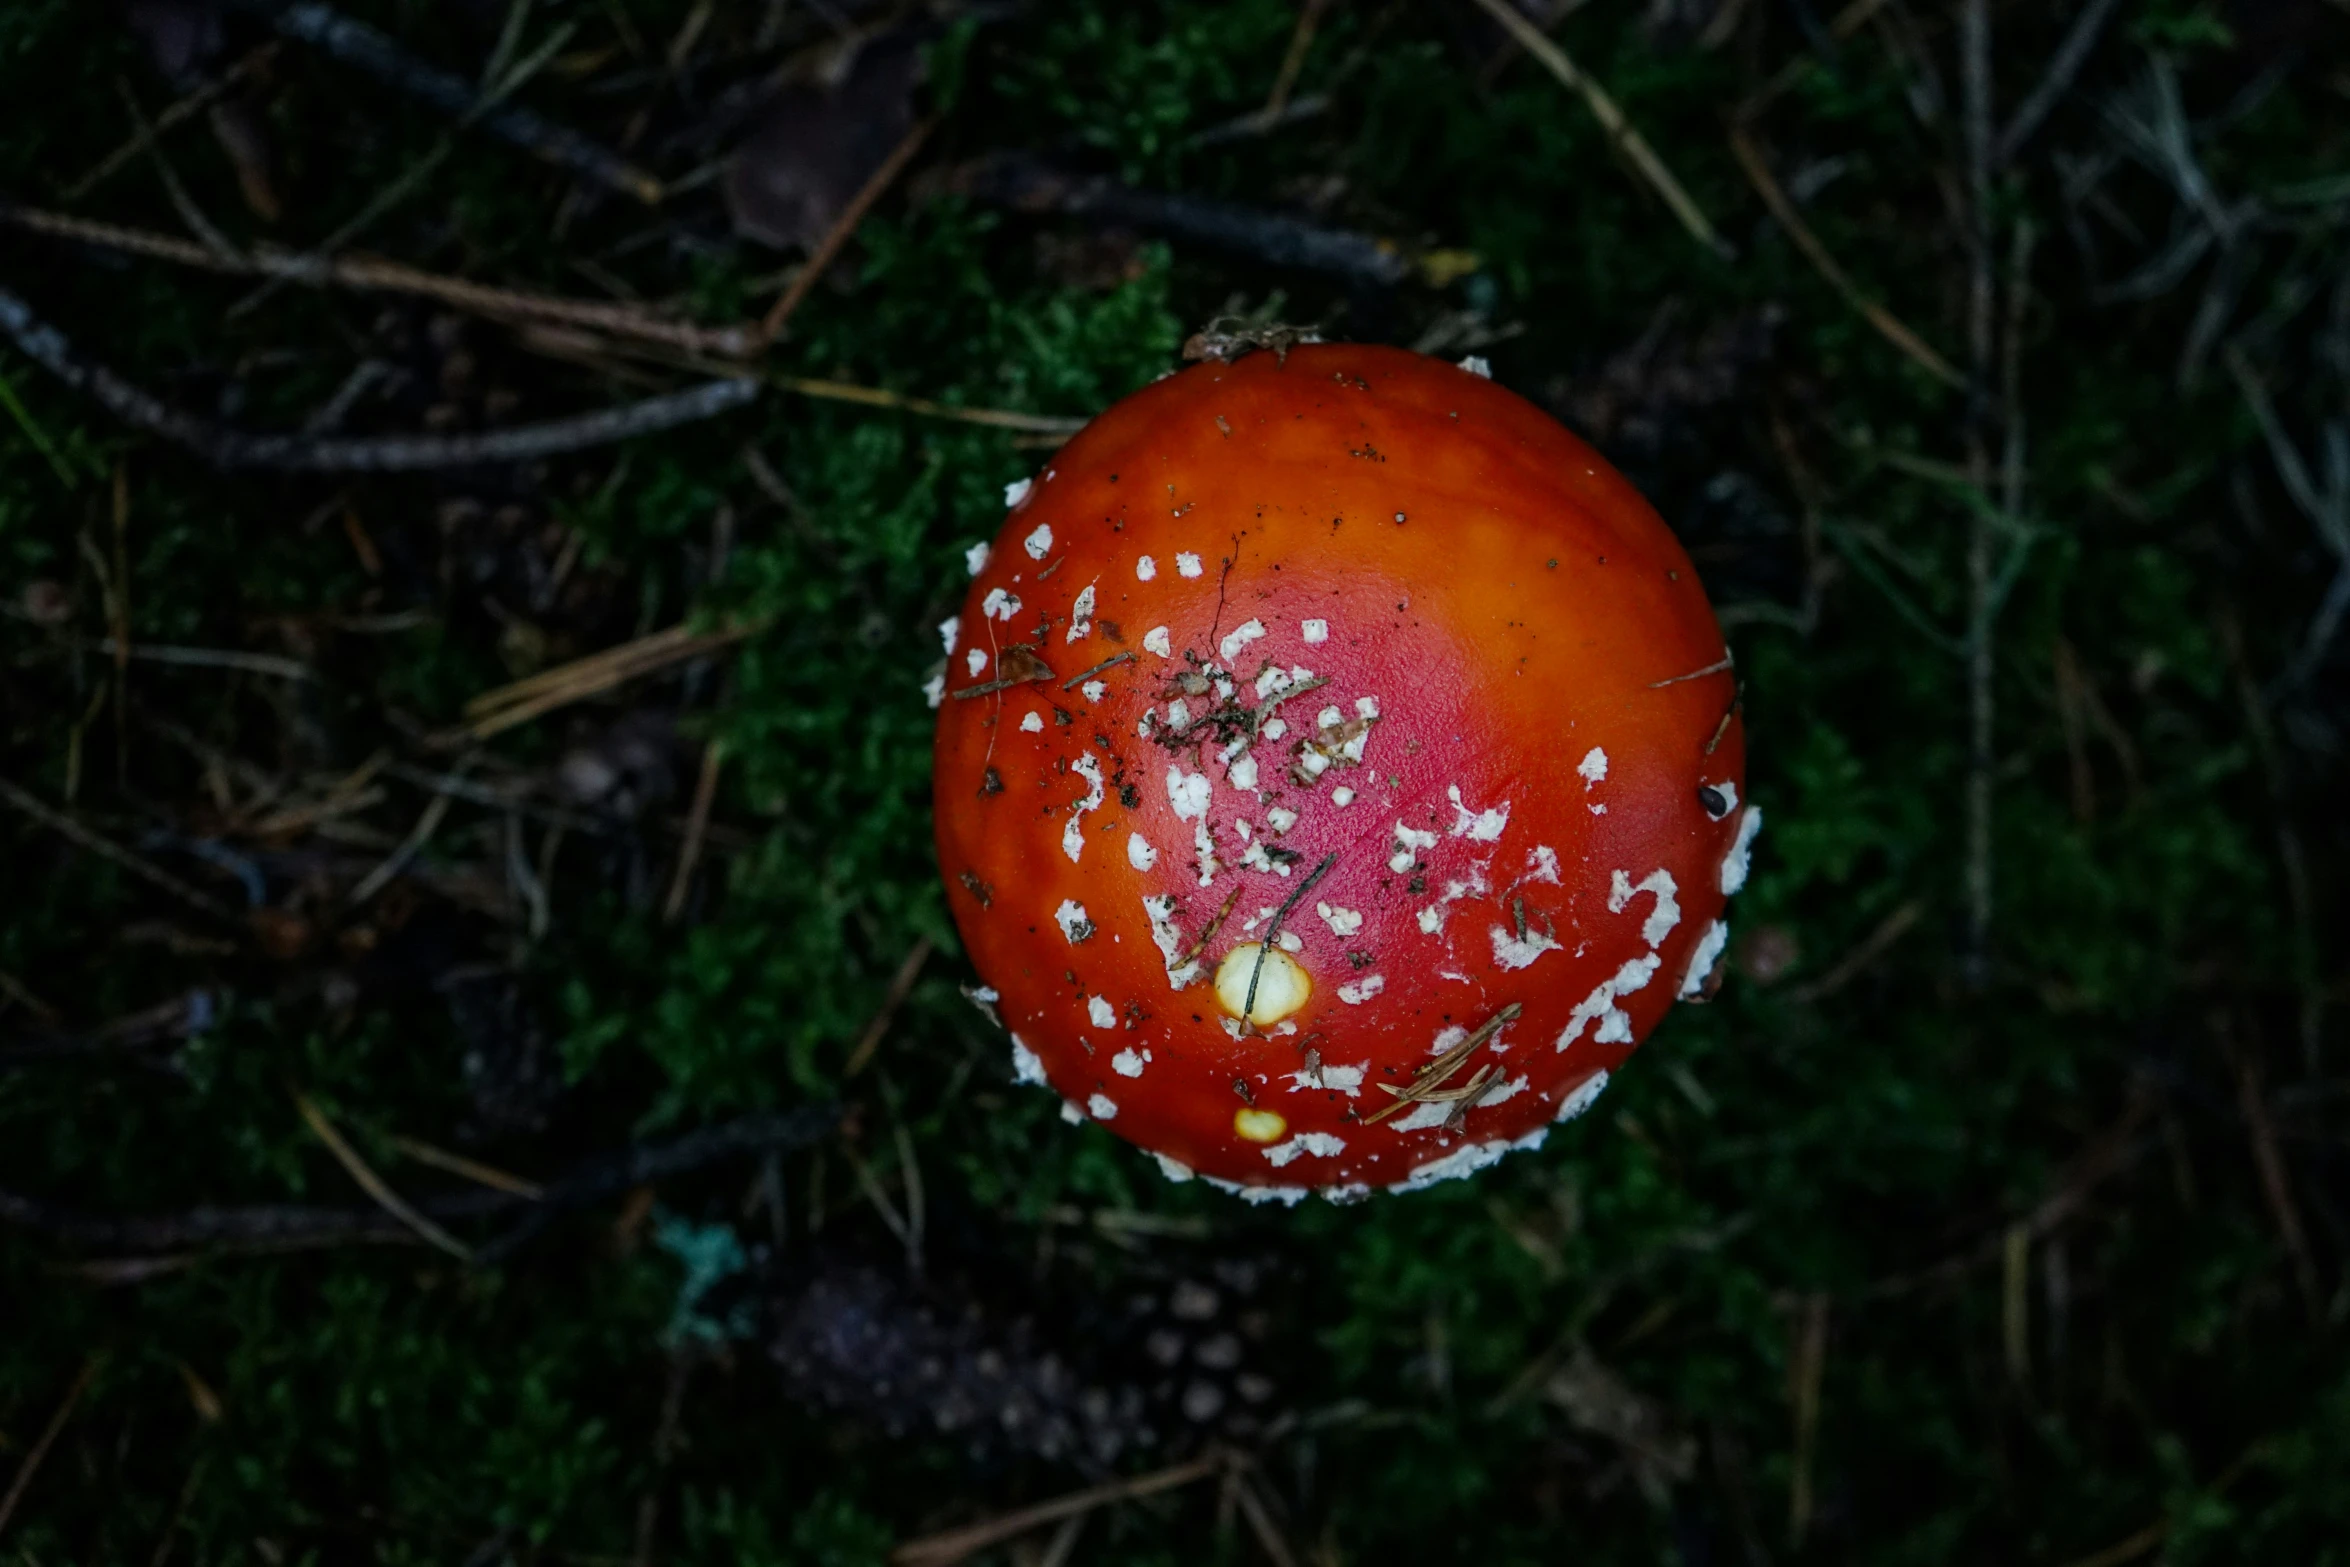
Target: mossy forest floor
x,y
1997,1211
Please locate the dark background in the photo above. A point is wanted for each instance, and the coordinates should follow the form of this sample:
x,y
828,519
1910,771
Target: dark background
x,y
1995,1212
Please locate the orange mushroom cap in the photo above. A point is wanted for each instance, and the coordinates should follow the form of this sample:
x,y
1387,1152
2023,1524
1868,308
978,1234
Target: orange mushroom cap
x,y
1340,772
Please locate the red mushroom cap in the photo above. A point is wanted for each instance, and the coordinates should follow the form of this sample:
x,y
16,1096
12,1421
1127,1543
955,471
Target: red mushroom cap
x,y
1351,649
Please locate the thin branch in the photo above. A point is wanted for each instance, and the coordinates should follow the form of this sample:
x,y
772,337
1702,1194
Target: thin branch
x,y
105,848
372,53
1621,133
1888,325
943,1550
373,1184
496,711
2066,64
844,228
697,825
186,108
374,275
228,448
31,1464
901,986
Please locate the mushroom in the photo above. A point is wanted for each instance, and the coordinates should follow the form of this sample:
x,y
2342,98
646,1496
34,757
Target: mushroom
x,y
1340,772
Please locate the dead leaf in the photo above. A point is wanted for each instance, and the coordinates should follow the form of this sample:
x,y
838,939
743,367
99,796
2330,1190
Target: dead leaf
x,y
816,144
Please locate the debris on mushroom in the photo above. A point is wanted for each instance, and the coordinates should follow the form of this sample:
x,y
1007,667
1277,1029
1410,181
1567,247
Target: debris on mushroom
x,y
1421,779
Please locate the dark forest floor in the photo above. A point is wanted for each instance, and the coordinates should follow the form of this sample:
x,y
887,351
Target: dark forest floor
x,y
447,1119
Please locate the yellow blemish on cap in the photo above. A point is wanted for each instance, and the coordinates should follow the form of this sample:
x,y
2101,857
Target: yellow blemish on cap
x,y
1282,986
1259,1126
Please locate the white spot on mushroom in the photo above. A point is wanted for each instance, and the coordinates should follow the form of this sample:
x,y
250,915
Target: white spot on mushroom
x,y
1178,715
1362,990
984,997
1480,826
1719,799
1367,706
1342,796
1274,728
1466,1160
999,604
1032,724
1070,916
1281,818
1103,1014
1139,852
1615,1025
1408,841
1240,636
1073,831
1189,793
1702,961
1039,543
1515,952
1243,772
1027,1066
975,660
1431,919
1095,690
1319,1144
1071,1114
1542,864
1347,1080
1423,1117
978,555
1477,366
1081,615
1662,918
1156,641
1203,843
951,632
1734,864
1145,569
1104,1108
934,690
1016,492
1342,922
1164,931
1583,1096
1507,1091
1127,1063
1173,1169
1186,564
1291,941
1316,630
1593,767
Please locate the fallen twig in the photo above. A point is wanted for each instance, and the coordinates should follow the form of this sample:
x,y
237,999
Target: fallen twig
x,y
106,848
928,408
279,1226
901,986
495,711
1888,325
942,1550
1026,184
844,228
2066,64
697,823
374,275
373,1184
182,1017
229,448
31,1464
186,108
1621,133
364,49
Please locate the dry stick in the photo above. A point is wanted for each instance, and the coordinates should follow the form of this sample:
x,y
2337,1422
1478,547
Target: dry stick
x,y
942,1550
1888,325
2066,64
878,397
1975,60
49,1434
399,859
2015,1303
374,275
844,227
374,1185
697,823
471,1169
185,108
199,657
2275,1184
1872,947
105,848
364,49
1114,659
494,712
1619,130
1301,40
1426,1084
1260,1519
229,448
1803,1392
1273,931
901,985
